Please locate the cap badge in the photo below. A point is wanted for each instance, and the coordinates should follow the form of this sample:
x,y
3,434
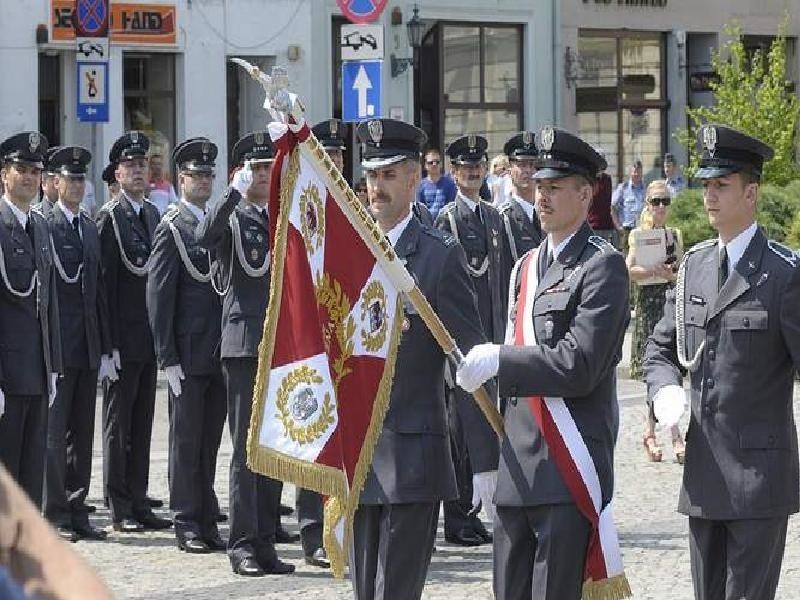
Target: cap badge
x,y
472,142
135,137
33,141
527,138
205,148
710,139
76,154
334,126
546,138
375,129
259,138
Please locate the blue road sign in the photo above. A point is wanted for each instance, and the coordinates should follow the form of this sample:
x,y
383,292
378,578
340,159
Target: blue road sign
x,y
93,92
361,90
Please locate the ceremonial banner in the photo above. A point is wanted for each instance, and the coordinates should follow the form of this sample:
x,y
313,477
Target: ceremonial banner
x,y
326,359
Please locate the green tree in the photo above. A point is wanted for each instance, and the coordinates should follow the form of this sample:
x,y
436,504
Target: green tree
x,y
753,96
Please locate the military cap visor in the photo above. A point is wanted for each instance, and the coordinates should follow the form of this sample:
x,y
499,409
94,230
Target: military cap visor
x,y
254,148
69,160
561,154
520,147
330,134
726,150
467,150
195,155
131,145
27,148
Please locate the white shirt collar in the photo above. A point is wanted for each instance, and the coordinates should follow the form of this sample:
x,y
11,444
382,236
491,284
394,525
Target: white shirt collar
x,y
22,217
67,212
526,206
195,210
736,247
560,248
137,206
471,204
395,232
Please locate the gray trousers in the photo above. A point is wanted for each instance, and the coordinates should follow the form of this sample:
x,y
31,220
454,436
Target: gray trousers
x,y
392,547
310,518
736,559
539,552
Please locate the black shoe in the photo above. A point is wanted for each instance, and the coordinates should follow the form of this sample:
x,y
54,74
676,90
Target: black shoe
x,y
90,508
318,558
248,567
482,532
150,521
87,532
464,537
284,537
193,545
285,511
127,526
222,517
276,566
67,533
215,543
154,503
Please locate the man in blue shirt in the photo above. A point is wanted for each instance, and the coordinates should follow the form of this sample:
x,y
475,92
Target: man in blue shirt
x,y
675,181
628,201
437,189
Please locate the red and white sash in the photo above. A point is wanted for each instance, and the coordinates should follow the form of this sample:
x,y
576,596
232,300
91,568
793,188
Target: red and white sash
x,y
604,577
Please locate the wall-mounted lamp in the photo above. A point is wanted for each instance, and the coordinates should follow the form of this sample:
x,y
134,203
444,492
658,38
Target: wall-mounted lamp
x,y
414,30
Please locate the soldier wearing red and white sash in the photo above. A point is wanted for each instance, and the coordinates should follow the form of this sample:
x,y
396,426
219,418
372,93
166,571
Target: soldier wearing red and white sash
x,y
553,533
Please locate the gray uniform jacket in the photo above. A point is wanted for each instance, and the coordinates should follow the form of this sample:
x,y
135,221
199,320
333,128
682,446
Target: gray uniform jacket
x,y
522,233
412,460
85,332
45,206
580,312
185,314
127,308
30,339
245,303
741,451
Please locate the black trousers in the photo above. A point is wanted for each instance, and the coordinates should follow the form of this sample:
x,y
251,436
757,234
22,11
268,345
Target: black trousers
x,y
310,518
70,437
458,513
539,552
392,547
736,559
128,406
23,436
254,499
197,417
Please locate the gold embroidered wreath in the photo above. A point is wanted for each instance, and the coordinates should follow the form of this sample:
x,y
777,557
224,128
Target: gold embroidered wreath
x,y
340,325
298,433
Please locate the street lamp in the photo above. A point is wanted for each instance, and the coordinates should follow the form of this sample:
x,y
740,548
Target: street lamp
x,y
414,30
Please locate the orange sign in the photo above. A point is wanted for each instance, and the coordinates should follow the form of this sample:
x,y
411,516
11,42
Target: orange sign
x,y
130,23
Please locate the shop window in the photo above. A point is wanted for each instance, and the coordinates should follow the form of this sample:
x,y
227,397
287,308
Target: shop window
x,y
149,84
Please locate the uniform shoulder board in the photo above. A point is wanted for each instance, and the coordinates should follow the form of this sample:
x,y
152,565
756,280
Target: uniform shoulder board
x,y
601,244
783,252
450,206
443,236
505,206
700,246
84,212
150,203
38,210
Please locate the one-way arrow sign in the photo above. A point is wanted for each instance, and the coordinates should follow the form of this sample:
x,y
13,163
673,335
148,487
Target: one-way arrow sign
x,y
361,90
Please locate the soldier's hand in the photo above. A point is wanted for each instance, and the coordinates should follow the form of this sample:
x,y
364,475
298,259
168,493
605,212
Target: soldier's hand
x,y
2,403
174,375
242,179
117,360
52,388
108,369
483,486
669,404
479,365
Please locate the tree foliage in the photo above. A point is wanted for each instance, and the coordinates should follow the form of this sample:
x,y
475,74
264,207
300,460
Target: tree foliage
x,y
753,96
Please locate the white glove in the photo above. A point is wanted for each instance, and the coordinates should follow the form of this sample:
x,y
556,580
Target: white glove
x,y
108,368
52,390
479,365
117,360
483,485
669,404
174,375
2,403
242,179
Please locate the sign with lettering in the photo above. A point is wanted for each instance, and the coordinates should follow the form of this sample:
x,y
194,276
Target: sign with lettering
x,y
131,23
629,3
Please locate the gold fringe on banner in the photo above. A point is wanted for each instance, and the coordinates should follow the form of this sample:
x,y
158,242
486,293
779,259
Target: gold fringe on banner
x,y
612,588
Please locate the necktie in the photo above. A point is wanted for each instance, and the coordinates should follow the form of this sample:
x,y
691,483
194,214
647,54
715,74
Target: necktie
x,y
143,219
29,231
723,267
264,214
478,212
76,226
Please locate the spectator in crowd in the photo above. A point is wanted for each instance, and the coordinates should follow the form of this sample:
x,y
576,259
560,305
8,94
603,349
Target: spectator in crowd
x,y
649,299
498,179
437,189
628,201
672,175
162,194
599,216
361,191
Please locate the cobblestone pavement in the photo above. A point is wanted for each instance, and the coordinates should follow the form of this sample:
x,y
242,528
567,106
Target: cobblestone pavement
x,y
653,536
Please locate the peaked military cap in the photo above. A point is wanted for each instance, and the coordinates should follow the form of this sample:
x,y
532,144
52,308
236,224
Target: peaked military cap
x,y
49,167
726,150
195,154
388,141
561,153
522,145
467,150
331,134
128,146
69,160
110,174
28,147
255,147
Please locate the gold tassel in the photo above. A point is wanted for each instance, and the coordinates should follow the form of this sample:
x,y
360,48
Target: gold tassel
x,y
611,588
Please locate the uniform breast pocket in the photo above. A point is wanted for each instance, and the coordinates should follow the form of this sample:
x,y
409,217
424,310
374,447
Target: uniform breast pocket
x,y
20,270
743,328
550,314
695,319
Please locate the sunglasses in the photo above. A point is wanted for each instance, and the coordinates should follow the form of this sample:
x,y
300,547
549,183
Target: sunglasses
x,y
432,162
661,201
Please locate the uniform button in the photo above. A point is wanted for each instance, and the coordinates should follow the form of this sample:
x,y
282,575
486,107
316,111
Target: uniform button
x,y
712,354
706,408
710,383
771,440
746,322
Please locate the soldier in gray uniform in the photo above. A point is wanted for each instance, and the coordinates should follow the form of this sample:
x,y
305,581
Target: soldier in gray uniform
x,y
126,230
521,224
412,469
579,315
185,316
733,324
30,345
478,227
86,347
49,194
236,230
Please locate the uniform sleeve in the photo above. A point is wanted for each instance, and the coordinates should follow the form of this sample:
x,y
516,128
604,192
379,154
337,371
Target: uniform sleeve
x,y
790,316
660,365
109,266
589,350
457,306
162,287
101,299
54,325
451,191
213,230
